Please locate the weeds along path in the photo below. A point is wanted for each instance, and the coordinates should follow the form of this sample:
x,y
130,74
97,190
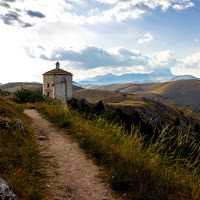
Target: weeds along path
x,y
74,176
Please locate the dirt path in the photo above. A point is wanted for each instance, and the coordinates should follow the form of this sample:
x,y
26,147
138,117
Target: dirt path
x,y
74,177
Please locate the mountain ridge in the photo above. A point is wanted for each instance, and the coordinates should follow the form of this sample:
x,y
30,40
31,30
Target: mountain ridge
x,y
159,75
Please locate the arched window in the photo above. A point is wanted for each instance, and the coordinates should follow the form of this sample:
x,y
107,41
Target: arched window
x,y
63,80
48,85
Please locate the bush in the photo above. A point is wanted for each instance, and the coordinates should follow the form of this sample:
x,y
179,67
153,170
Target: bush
x,y
4,93
99,107
25,96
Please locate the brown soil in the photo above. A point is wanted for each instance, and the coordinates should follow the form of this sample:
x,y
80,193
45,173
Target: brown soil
x,y
71,175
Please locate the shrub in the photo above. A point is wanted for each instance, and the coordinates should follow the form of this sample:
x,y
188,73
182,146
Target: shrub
x,y
99,107
25,96
4,93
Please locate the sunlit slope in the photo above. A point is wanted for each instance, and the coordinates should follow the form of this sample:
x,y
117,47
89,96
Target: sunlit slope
x,y
112,87
182,91
12,87
93,95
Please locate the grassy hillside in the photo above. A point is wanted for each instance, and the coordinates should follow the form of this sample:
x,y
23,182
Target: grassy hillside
x,y
162,113
105,96
13,87
19,156
186,92
141,171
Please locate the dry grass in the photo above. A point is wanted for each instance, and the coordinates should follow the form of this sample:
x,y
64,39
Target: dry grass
x,y
19,156
129,103
143,172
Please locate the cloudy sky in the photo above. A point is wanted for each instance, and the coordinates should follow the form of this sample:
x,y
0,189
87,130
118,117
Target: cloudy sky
x,y
96,37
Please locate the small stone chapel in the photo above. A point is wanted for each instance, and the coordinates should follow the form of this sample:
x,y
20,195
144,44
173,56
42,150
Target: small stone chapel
x,y
57,84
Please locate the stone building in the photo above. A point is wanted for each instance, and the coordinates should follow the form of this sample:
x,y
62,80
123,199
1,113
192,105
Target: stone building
x,y
57,84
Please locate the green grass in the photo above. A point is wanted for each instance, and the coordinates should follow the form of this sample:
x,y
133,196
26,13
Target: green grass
x,y
142,172
20,164
4,93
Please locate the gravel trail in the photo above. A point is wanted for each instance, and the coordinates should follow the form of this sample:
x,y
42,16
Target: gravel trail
x,y
73,176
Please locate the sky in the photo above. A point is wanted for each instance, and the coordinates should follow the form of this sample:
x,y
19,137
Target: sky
x,y
97,37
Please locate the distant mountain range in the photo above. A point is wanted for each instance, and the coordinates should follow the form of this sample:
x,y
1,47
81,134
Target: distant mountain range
x,y
159,75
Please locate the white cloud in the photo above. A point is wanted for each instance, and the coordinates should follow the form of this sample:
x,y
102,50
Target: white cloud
x,y
124,11
147,38
153,4
192,61
80,12
133,9
162,59
188,65
115,59
183,6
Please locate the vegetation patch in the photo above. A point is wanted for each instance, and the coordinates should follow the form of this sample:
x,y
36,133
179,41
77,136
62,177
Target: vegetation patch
x,y
4,93
142,171
25,96
19,156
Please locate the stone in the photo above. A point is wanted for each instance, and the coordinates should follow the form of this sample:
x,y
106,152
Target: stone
x,y
4,124
5,192
18,123
48,186
41,138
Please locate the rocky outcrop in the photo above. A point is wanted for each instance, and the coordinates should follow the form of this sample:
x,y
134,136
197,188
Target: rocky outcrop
x,y
5,192
18,124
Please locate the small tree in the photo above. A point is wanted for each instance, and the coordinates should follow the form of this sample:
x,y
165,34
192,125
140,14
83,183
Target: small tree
x,y
73,103
99,107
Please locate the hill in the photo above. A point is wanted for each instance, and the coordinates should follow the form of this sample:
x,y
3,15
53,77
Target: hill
x,y
12,87
185,92
176,78
161,114
20,160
